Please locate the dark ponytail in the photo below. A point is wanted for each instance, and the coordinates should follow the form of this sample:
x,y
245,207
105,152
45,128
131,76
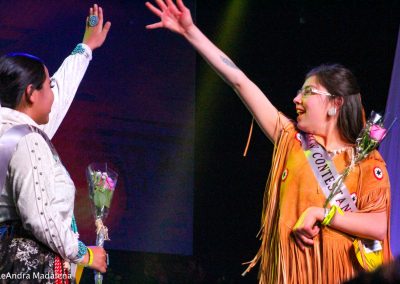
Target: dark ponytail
x,y
17,71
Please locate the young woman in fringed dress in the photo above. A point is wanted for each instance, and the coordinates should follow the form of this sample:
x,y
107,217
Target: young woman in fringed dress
x,y
295,247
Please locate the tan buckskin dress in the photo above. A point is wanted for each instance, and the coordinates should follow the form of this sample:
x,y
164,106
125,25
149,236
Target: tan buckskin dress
x,y
291,189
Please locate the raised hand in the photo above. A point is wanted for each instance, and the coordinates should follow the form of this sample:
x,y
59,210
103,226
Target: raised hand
x,y
95,35
176,18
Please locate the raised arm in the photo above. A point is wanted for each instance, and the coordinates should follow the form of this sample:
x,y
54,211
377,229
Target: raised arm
x,y
177,18
66,80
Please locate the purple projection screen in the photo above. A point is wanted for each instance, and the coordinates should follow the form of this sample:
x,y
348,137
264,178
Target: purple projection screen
x,y
134,110
390,149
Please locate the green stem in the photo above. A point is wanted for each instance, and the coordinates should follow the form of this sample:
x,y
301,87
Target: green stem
x,y
337,185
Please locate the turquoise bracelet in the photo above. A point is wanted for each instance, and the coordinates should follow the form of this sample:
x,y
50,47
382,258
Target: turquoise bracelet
x,y
82,249
78,49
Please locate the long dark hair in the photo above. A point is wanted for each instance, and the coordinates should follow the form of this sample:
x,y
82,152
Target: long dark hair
x,y
340,82
17,71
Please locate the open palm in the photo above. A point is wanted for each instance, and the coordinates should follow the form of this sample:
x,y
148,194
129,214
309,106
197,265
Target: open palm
x,y
176,18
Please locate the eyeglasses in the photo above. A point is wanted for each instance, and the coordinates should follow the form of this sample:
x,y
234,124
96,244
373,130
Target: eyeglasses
x,y
308,91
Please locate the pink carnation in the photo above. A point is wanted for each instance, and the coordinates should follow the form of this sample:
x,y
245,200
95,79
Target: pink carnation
x,y
377,132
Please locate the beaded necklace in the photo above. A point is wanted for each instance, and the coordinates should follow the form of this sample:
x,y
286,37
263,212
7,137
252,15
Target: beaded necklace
x,y
338,151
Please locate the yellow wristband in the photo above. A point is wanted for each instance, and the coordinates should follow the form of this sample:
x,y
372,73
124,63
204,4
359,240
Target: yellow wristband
x,y
90,261
328,218
340,211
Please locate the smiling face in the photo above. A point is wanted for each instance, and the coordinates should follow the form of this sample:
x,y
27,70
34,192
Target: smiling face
x,y
312,109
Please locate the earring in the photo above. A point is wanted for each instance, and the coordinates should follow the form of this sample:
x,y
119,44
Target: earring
x,y
332,111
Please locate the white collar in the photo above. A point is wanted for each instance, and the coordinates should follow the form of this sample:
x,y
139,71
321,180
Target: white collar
x,y
12,116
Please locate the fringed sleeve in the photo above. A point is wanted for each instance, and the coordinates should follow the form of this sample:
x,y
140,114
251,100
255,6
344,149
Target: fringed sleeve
x,y
268,253
373,194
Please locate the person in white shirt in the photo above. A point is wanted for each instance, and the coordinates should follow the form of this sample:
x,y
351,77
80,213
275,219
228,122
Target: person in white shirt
x,y
38,234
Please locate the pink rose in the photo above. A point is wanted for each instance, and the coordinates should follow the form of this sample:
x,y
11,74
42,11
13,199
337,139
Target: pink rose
x,y
111,184
377,133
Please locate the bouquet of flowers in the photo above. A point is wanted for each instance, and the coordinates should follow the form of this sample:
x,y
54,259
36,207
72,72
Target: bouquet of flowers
x,y
102,181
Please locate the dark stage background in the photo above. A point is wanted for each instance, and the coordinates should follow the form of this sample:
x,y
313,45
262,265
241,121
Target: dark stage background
x,y
187,207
